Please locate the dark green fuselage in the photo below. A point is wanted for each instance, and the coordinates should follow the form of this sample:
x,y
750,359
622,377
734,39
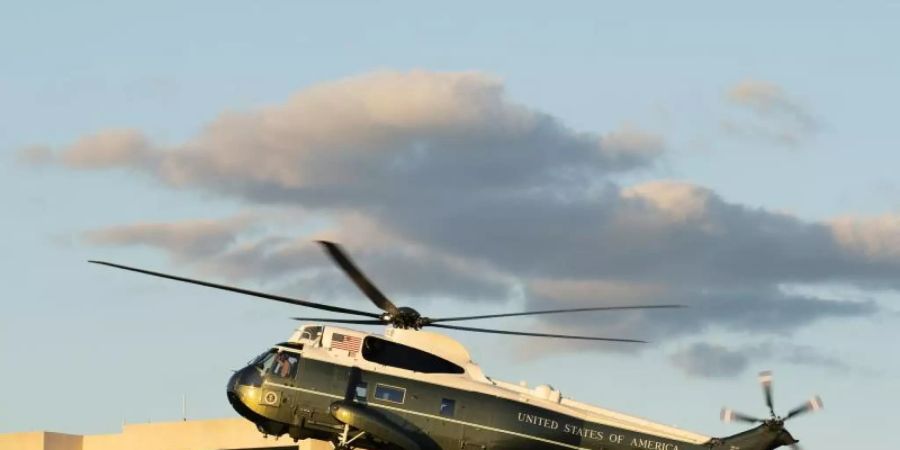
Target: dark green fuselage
x,y
300,406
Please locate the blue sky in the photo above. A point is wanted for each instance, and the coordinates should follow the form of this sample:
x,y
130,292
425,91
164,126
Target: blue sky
x,y
703,93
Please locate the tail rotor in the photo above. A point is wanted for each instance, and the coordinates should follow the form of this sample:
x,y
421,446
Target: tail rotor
x,y
774,421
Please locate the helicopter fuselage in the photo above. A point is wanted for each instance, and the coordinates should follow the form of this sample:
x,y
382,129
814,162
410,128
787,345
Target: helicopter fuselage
x,y
304,387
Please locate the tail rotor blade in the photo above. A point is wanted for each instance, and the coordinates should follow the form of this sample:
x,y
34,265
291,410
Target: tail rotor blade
x,y
765,379
814,404
729,415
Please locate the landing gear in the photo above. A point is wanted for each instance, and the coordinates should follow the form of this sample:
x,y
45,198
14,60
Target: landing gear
x,y
344,440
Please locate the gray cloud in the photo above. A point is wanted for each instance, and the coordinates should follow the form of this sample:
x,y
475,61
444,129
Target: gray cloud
x,y
775,115
445,187
716,361
37,155
186,240
710,361
408,277
233,248
758,309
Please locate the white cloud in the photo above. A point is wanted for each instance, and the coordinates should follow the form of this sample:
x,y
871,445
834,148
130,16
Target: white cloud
x,y
111,148
876,238
775,115
384,133
677,200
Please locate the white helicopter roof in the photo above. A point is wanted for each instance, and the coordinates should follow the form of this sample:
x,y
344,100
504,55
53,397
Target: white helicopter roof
x,y
318,344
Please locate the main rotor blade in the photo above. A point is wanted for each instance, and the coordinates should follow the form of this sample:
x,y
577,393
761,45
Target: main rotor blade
x,y
552,311
765,379
729,415
367,287
523,333
277,298
357,322
814,404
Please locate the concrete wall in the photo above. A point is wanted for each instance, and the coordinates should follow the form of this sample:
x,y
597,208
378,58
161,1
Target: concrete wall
x,y
191,435
40,440
59,441
22,441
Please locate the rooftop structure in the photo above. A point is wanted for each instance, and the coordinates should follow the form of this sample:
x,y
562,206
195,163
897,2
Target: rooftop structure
x,y
217,434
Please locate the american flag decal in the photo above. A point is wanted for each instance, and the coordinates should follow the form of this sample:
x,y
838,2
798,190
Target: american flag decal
x,y
345,342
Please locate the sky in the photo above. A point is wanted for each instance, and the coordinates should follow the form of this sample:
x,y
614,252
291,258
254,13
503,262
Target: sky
x,y
740,160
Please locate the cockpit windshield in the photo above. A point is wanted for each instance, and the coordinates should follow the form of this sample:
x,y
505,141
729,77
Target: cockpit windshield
x,y
263,360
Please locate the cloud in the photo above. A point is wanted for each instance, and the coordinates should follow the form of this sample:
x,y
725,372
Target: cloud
x,y
710,361
386,134
875,238
442,186
188,240
754,310
716,361
111,148
36,155
235,249
631,142
680,202
774,115
763,98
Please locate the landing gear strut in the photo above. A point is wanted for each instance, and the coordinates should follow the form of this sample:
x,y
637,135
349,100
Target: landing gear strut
x,y
344,440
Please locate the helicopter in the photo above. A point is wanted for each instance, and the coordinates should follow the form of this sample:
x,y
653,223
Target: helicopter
x,y
410,389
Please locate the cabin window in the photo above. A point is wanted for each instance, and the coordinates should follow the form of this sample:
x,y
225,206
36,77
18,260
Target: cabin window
x,y
390,353
362,392
391,394
311,333
448,407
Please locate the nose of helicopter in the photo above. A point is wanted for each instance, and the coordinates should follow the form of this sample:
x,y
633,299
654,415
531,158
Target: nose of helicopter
x,y
244,389
242,392
232,381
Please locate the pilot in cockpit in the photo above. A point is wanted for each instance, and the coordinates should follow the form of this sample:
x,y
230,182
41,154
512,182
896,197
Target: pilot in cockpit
x,y
282,365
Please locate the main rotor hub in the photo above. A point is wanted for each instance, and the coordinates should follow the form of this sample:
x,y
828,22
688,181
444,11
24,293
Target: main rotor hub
x,y
406,318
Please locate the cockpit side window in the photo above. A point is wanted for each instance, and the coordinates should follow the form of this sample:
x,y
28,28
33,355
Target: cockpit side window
x,y
285,364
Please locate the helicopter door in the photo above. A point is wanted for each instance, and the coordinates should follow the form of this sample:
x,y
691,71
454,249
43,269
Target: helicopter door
x,y
471,437
446,426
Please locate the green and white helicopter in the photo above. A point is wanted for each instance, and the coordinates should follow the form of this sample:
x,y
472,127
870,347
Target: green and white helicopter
x,y
410,389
